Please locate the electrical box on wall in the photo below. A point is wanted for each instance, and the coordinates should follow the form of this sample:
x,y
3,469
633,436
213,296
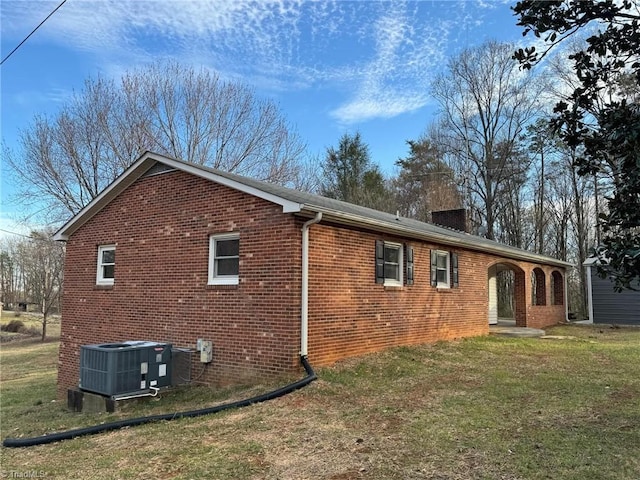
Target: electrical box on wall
x,y
206,351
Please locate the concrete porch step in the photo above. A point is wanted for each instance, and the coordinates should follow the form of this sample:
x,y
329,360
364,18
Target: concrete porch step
x,y
513,331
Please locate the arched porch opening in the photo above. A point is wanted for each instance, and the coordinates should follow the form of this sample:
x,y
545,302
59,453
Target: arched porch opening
x,y
538,287
506,288
557,288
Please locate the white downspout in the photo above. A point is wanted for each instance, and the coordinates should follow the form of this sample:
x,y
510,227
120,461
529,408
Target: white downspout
x,y
589,294
565,291
304,317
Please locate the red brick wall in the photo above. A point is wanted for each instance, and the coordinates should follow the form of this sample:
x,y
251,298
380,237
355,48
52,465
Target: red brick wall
x,y
541,316
161,225
349,314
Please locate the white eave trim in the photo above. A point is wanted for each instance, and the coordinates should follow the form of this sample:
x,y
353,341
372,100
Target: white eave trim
x,y
287,205
591,261
440,238
138,168
148,159
130,175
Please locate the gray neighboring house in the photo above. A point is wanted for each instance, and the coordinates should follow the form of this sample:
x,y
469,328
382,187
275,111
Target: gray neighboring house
x,y
605,304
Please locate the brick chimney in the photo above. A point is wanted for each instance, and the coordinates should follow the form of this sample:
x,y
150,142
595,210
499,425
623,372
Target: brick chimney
x,y
456,219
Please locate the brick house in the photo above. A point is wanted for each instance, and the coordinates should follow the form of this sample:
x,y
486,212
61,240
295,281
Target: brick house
x,y
173,252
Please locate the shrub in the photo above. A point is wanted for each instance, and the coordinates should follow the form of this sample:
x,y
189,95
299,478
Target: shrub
x,y
13,326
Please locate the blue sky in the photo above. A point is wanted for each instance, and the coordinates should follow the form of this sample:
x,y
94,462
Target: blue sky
x,y
331,66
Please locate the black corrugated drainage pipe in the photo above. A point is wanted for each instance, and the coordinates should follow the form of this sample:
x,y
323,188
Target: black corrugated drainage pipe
x,y
79,432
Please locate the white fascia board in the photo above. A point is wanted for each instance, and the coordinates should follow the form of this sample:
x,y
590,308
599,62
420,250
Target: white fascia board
x,y
591,261
129,176
138,168
287,205
398,229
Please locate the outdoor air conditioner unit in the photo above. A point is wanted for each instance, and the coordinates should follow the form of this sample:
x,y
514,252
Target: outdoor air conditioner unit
x,y
120,369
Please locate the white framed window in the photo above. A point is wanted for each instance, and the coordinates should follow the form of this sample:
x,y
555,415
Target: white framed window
x,y
106,265
389,266
440,269
224,259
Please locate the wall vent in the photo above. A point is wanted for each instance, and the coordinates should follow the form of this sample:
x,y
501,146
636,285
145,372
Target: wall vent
x,y
157,169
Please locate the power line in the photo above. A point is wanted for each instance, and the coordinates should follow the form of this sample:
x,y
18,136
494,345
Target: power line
x,y
14,233
32,32
34,236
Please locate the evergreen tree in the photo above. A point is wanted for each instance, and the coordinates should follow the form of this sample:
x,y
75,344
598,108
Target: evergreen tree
x,y
350,175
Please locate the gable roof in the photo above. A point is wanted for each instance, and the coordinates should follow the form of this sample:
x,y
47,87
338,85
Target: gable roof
x,y
303,204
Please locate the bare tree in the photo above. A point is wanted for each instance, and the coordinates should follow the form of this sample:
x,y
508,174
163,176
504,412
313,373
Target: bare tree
x,y
485,104
570,220
46,270
8,287
65,161
31,273
558,208
575,200
541,140
511,198
14,271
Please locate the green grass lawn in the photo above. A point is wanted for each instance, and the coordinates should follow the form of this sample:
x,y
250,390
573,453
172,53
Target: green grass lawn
x,y
482,408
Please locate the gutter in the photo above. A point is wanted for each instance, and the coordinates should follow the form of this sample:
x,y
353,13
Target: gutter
x,y
451,238
304,312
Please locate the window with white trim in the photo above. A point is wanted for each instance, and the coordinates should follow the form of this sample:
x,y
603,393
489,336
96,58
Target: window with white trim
x,y
106,265
444,269
389,263
224,259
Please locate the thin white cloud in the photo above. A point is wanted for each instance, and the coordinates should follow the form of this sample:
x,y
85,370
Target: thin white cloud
x,y
369,107
381,55
32,98
117,28
396,80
